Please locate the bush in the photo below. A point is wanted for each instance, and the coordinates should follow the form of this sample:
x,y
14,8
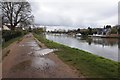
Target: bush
x,y
8,35
113,31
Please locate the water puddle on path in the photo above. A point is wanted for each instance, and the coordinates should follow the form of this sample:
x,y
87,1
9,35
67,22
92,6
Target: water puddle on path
x,y
42,63
41,52
24,65
32,43
36,63
36,59
35,48
37,51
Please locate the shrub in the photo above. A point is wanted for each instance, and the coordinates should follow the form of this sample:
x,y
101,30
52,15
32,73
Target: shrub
x,y
8,35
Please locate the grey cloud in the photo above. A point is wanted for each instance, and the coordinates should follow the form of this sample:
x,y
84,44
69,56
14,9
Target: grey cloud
x,y
75,13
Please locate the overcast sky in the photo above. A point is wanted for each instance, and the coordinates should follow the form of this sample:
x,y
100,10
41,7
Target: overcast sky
x,y
75,13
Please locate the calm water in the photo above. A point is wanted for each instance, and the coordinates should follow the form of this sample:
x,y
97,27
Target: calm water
x,y
107,48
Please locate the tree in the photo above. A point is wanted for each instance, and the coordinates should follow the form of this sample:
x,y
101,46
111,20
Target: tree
x,y
78,30
108,26
90,31
119,30
30,29
113,31
16,13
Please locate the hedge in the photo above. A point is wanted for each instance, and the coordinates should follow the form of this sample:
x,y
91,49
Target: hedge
x,y
8,35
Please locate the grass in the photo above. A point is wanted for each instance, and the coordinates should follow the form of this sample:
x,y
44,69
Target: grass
x,y
6,44
87,64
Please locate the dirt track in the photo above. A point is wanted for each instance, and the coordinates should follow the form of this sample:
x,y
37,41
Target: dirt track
x,y
27,60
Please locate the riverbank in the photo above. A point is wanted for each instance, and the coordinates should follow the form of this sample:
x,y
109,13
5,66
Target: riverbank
x,y
86,63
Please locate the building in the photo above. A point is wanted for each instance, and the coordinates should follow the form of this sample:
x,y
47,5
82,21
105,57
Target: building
x,y
4,27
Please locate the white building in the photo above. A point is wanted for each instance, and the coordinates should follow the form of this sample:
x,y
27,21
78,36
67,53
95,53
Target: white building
x,y
5,27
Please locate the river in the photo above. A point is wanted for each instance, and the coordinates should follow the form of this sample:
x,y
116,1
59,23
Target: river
x,y
105,47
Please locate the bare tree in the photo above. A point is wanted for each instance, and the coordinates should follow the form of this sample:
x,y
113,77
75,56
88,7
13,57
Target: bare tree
x,y
16,13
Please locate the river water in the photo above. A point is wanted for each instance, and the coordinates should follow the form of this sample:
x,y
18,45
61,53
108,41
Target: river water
x,y
105,47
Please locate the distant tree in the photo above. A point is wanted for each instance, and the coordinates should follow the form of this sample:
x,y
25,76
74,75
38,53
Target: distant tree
x,y
30,29
113,31
108,26
94,31
39,30
119,30
90,31
78,30
84,32
16,13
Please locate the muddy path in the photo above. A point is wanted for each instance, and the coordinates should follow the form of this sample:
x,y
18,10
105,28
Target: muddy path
x,y
26,59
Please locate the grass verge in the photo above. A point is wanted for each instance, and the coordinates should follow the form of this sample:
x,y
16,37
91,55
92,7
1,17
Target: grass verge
x,y
89,65
6,44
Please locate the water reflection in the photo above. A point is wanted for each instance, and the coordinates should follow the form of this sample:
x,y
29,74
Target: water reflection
x,y
119,50
32,44
41,52
107,48
35,59
37,51
101,41
24,65
42,63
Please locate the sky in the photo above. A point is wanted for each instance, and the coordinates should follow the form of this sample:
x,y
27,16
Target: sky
x,y
75,13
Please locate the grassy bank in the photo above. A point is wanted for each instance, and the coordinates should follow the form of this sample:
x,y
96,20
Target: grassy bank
x,y
87,64
9,37
6,44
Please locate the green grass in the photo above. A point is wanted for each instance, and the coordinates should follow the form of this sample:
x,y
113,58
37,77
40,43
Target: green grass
x,y
6,44
87,64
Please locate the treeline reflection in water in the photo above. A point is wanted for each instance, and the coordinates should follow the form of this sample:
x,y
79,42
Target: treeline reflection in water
x,y
101,41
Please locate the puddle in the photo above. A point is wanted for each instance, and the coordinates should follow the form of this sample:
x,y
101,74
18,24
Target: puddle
x,y
37,61
30,53
41,52
34,64
42,63
22,66
35,48
32,41
32,44
21,45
